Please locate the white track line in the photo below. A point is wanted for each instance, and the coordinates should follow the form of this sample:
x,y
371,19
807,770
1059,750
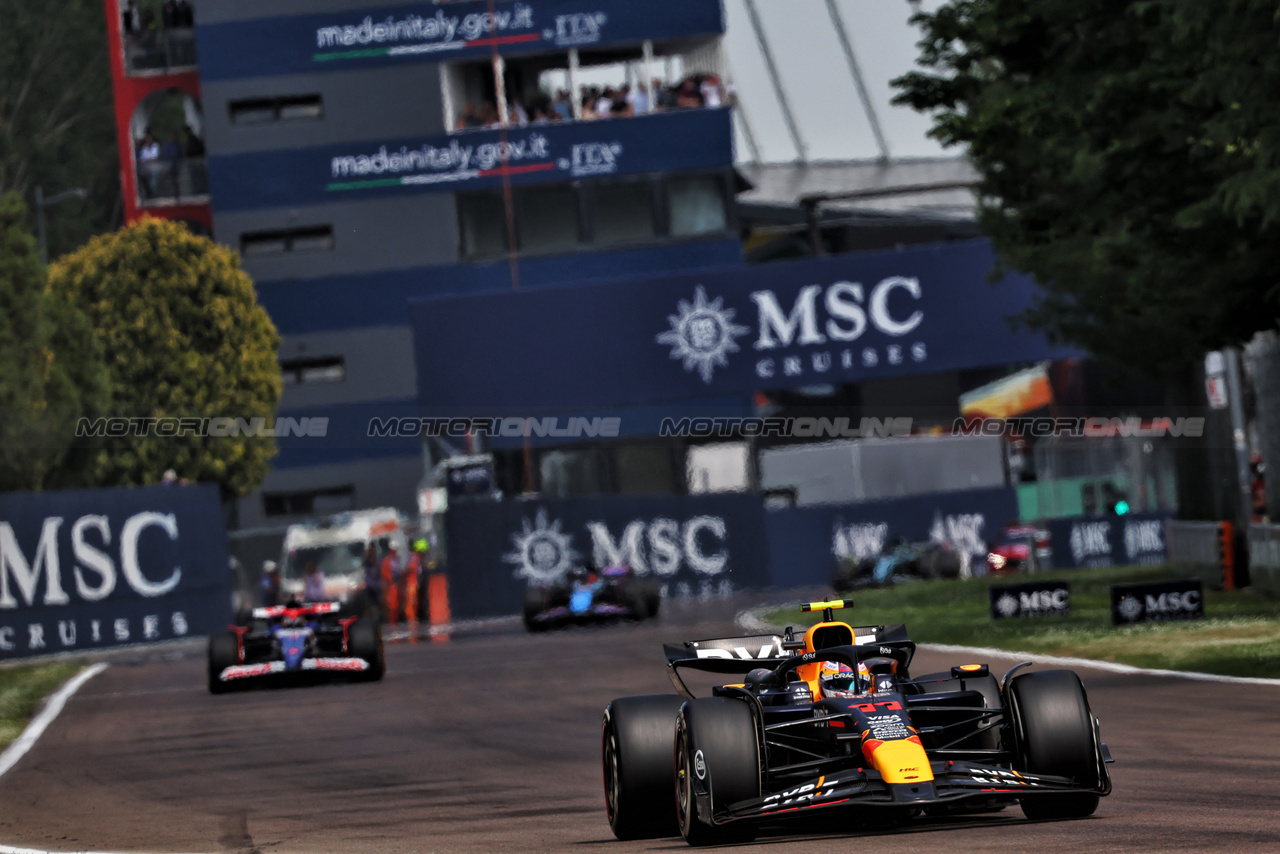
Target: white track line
x,y
751,621
40,722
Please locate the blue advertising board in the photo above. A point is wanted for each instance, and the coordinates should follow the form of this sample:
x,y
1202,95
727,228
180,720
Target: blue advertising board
x,y
1099,541
426,32
695,545
806,542
89,570
545,153
845,319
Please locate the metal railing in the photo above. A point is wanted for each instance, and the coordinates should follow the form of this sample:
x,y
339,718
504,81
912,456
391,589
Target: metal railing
x,y
1264,557
1197,547
159,50
172,180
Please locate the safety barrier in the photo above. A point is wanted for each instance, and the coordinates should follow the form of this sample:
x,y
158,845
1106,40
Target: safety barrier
x,y
1205,549
1264,557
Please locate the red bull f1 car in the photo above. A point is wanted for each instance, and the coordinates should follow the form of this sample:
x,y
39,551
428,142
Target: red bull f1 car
x,y
294,642
586,596
834,721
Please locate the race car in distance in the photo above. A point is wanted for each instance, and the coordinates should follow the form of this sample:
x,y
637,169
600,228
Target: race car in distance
x,y
833,721
585,596
293,641
899,561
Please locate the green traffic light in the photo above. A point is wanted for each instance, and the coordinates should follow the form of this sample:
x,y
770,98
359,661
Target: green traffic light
x,y
1122,507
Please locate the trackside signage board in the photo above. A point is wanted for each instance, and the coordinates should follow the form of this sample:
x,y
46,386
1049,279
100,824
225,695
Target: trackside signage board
x,y
696,140
694,545
1157,602
1033,599
1099,541
425,33
95,569
850,318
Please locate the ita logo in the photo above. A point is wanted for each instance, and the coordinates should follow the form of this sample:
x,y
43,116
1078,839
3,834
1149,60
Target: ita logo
x,y
703,334
542,552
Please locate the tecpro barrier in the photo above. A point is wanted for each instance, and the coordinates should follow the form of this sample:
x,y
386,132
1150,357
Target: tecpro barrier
x,y
94,569
1101,541
695,545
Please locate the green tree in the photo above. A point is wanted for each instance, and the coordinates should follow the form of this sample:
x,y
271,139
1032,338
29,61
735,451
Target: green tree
x,y
57,126
1129,153
51,367
184,337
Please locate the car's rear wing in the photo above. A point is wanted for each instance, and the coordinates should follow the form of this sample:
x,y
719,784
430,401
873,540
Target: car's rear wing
x,y
741,654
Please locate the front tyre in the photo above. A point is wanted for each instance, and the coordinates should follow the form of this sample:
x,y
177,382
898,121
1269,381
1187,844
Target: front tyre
x,y
636,749
365,641
1053,734
717,755
224,652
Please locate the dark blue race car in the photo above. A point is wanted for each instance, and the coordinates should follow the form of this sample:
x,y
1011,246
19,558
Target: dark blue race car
x,y
585,596
293,642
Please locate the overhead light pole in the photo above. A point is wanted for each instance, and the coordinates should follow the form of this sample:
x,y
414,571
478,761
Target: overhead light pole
x,y
41,204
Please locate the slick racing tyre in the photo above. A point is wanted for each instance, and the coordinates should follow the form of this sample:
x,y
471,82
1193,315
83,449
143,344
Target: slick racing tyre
x,y
1053,734
717,753
535,602
224,652
365,641
635,745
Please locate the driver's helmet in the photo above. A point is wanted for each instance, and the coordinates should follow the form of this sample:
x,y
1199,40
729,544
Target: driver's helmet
x,y
836,679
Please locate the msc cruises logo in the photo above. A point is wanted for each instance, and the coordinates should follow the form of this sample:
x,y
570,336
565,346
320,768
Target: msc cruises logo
x,y
542,552
702,334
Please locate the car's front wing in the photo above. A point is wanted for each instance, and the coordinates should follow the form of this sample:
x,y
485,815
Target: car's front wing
x,y
953,782
240,672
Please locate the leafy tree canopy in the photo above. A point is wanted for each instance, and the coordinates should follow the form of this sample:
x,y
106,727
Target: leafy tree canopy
x,y
183,337
1129,153
57,129
51,368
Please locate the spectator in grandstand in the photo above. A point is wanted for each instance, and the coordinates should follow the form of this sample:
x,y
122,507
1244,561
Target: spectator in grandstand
x,y
563,106
664,97
712,93
637,99
148,163
169,14
186,15
129,20
688,96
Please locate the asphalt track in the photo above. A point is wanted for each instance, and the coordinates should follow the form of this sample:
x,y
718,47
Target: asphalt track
x,y
490,742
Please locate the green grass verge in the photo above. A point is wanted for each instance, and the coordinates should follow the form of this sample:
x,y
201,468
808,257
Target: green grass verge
x,y
1240,637
22,689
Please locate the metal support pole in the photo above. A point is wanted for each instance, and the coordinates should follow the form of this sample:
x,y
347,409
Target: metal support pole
x,y
1234,394
649,94
575,101
500,88
44,243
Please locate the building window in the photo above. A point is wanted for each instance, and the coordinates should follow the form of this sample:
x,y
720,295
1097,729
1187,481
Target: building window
x,y
257,111
547,219
311,502
695,205
623,213
327,369
318,238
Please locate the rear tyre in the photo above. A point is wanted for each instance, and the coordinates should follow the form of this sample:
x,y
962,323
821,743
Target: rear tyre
x,y
224,652
365,641
535,602
636,749
717,752
1053,734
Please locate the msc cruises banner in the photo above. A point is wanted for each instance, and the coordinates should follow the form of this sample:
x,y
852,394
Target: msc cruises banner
x,y
695,545
431,32
558,151
95,569
844,319
1094,541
